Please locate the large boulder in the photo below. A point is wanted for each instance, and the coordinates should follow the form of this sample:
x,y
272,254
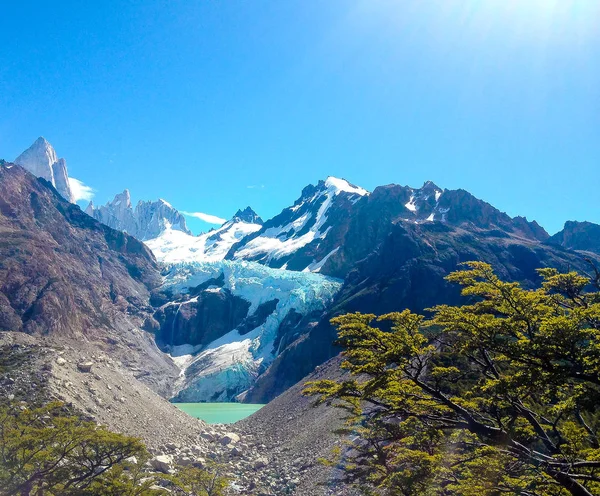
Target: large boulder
x,y
230,438
162,463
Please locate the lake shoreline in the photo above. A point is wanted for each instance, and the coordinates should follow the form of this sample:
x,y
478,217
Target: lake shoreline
x,y
219,413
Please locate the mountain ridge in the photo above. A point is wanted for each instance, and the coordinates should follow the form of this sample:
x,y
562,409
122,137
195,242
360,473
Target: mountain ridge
x,y
391,248
146,221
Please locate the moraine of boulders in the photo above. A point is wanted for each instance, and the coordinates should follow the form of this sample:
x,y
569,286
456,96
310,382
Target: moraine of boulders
x,y
238,456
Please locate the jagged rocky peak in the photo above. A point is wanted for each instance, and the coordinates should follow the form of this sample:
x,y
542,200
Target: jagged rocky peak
x,y
423,203
122,200
90,209
247,215
582,236
147,221
429,188
41,160
530,228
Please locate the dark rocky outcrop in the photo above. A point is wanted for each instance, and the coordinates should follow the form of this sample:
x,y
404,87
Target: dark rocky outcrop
x,y
200,320
582,236
258,318
247,215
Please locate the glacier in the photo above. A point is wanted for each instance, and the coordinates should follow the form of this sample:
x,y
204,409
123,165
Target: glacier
x,y
229,365
174,246
277,300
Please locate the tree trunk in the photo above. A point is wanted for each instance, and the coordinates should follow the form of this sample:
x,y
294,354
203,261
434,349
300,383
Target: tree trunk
x,y
569,484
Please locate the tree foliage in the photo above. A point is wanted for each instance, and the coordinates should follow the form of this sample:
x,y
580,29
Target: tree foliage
x,y
46,451
498,396
193,481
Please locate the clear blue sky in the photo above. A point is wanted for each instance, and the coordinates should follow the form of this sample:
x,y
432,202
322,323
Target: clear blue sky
x,y
215,105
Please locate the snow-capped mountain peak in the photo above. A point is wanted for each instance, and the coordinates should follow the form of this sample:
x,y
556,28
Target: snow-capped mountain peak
x,y
121,200
247,215
301,236
337,185
147,221
41,160
173,246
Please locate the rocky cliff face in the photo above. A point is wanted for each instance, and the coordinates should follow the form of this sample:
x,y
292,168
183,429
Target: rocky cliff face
x,y
582,236
148,220
41,160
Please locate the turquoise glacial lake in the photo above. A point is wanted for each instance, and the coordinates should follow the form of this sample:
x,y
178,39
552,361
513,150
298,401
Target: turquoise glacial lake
x,y
219,413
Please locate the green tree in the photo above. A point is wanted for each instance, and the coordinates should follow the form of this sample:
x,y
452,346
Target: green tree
x,y
193,481
498,396
46,451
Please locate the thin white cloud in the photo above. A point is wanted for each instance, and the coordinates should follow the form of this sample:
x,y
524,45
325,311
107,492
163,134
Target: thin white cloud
x,y
210,219
255,186
80,190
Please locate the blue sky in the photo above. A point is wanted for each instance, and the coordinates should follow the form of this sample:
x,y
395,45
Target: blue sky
x,y
215,105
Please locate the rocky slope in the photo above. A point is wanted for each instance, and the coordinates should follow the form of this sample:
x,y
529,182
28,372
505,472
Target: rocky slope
x,y
41,160
148,220
297,434
35,371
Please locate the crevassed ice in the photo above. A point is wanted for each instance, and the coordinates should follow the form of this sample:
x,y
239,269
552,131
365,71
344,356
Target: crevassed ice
x,y
230,364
